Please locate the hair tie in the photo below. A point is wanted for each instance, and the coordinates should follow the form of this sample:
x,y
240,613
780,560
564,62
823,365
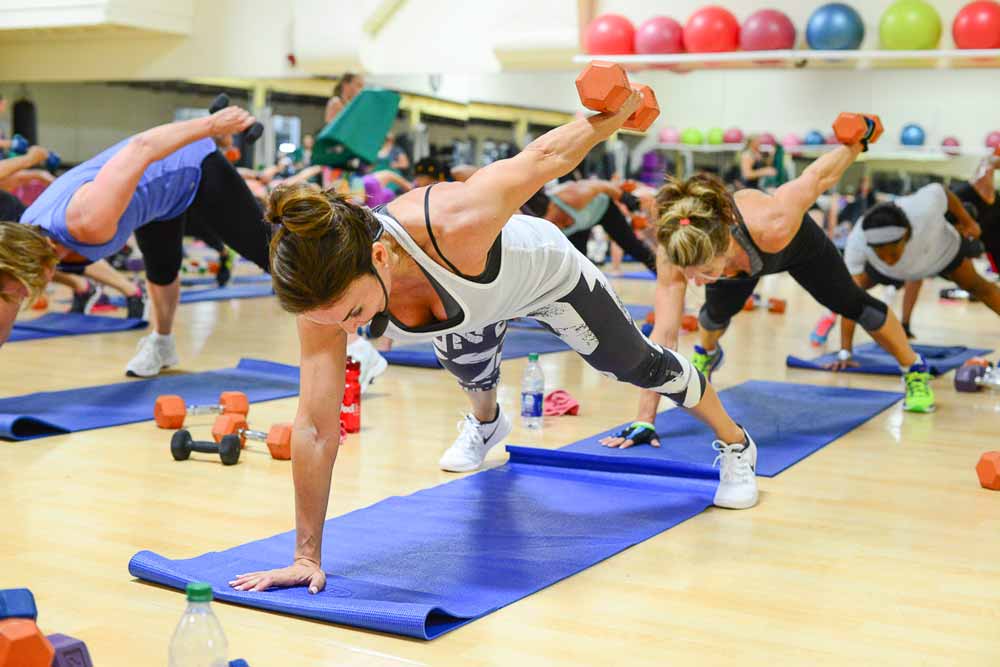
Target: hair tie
x,y
684,221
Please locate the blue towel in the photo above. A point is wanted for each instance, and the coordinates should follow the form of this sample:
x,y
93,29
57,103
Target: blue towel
x,y
787,421
55,412
876,361
518,343
424,564
54,325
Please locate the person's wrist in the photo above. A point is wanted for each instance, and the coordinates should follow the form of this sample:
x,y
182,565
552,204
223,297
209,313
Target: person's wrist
x,y
844,355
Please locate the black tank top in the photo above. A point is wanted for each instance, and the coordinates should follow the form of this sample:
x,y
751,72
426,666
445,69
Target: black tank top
x,y
765,263
758,163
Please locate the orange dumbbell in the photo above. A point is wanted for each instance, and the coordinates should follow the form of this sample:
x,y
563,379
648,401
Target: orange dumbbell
x,y
776,305
234,427
22,644
689,322
170,410
41,303
752,302
604,87
988,470
851,128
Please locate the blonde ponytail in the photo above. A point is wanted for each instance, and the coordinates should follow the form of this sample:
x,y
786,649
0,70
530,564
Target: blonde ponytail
x,y
694,219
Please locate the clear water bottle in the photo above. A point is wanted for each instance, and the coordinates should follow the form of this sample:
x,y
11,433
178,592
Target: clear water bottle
x,y
532,393
198,640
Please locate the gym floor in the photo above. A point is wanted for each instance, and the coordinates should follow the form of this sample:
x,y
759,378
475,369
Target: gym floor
x,y
880,549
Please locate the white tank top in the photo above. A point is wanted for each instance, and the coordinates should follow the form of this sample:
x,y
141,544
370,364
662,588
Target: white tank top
x,y
538,265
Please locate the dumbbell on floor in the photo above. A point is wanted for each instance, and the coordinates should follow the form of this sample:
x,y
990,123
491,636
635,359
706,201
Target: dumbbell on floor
x,y
20,146
170,410
851,128
182,444
776,305
988,470
604,87
251,134
278,439
22,644
975,377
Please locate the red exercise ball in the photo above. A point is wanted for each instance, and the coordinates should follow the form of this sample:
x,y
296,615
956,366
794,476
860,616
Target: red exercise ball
x,y
609,34
993,139
977,26
660,34
766,139
767,30
710,30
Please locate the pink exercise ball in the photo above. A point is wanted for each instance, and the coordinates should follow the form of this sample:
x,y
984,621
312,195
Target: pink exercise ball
x,y
660,34
733,135
767,30
670,135
950,145
767,139
790,140
993,139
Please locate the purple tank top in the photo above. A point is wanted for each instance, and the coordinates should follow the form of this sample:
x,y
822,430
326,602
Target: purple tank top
x,y
166,190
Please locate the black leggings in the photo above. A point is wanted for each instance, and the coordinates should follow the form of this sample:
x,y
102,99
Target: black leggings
x,y
620,231
224,206
593,321
816,264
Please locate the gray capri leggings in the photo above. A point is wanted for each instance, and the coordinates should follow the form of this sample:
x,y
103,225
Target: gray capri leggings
x,y
593,321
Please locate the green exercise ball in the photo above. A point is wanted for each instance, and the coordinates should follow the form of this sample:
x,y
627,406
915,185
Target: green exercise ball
x,y
692,135
910,25
716,135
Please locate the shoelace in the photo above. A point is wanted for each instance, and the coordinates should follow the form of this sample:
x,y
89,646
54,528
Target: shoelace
x,y
469,428
732,466
916,383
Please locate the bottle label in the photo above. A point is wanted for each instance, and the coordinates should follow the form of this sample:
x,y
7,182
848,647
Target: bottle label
x,y
531,404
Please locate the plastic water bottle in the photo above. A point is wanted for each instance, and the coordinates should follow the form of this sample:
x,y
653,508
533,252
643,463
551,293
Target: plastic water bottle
x,y
198,640
532,393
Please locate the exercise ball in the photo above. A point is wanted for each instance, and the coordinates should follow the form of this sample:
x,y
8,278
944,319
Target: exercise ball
x,y
670,135
660,34
835,27
652,160
609,34
791,140
692,135
910,25
912,135
767,30
716,136
950,145
733,135
977,26
814,138
711,29
993,139
766,139
830,138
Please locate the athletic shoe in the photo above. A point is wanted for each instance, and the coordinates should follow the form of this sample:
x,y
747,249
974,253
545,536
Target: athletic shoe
x,y
705,362
737,477
919,395
225,267
821,333
153,354
373,364
83,302
474,441
136,305
906,330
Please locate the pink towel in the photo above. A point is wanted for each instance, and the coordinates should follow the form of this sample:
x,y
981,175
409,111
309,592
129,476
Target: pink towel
x,y
559,403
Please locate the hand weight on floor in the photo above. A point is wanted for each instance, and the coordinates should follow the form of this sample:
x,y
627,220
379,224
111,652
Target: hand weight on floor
x,y
170,410
182,444
278,438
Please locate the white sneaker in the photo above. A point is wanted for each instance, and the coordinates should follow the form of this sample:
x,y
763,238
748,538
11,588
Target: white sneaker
x,y
474,441
153,354
737,477
373,364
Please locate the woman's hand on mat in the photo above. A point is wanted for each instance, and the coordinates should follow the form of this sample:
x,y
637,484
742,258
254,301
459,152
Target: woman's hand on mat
x,y
231,120
841,364
636,433
303,572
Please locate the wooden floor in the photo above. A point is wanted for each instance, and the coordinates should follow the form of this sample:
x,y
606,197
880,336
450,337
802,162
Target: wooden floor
x,y
881,549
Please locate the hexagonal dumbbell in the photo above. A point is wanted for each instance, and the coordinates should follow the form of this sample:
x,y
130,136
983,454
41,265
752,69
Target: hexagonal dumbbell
x,y
851,128
170,410
70,652
604,87
988,470
278,438
182,444
775,305
974,377
23,644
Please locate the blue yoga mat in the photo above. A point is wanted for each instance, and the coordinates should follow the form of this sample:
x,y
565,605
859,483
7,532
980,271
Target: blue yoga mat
x,y
787,421
519,342
235,280
54,325
875,360
56,412
246,291
638,312
424,564
635,275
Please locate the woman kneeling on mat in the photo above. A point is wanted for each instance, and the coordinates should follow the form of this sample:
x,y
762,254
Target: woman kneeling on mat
x,y
727,242
150,184
451,263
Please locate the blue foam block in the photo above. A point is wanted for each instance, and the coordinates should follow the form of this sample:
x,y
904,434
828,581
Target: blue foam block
x,y
787,421
874,360
54,325
55,412
518,343
235,280
638,312
424,564
17,603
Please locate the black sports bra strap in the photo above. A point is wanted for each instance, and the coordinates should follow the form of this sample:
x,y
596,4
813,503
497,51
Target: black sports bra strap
x,y
430,233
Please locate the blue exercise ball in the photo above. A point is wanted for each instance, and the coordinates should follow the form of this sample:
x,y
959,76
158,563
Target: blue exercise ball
x,y
814,138
835,26
912,135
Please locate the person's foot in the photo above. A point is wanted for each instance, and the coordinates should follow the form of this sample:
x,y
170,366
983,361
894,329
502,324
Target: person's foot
x,y
135,305
906,329
153,353
707,362
737,474
821,333
475,439
373,364
225,267
919,395
83,302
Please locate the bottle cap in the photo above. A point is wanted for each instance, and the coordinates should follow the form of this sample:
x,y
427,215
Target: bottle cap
x,y
532,356
199,591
